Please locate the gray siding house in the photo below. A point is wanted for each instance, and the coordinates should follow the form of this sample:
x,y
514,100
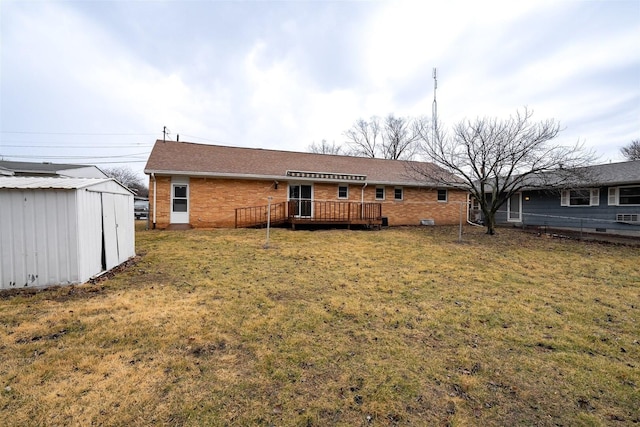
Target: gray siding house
x,y
606,201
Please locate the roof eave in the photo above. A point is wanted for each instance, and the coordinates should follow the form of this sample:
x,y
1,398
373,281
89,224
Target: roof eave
x,y
290,178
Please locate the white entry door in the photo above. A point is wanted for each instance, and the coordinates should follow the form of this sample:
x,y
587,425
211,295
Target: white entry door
x,y
179,200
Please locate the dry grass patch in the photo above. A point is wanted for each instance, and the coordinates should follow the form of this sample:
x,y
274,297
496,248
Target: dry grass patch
x,y
397,327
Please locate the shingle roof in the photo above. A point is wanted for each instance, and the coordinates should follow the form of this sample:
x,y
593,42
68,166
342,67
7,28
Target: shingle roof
x,y
607,174
616,173
185,158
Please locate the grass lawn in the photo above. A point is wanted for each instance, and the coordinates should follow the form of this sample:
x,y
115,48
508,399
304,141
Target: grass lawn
x,y
403,326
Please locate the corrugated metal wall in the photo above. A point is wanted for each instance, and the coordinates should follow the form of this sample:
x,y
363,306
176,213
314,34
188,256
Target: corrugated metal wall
x,y
63,236
38,234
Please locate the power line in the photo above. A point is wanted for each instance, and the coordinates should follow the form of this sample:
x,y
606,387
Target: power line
x,y
118,162
205,139
78,133
86,147
75,157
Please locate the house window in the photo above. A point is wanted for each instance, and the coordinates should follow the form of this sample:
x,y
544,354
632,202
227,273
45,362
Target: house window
x,y
580,197
379,193
629,195
397,193
343,192
442,195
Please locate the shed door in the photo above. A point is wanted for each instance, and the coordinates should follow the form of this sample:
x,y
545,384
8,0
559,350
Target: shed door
x,y
109,236
179,201
115,242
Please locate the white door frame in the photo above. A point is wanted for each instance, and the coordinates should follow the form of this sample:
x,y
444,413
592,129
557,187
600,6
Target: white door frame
x,y
178,215
511,218
300,199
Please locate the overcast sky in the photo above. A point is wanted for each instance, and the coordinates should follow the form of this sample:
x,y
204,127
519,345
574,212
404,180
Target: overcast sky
x,y
96,81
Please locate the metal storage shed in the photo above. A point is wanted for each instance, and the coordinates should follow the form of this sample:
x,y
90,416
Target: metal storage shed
x,y
56,231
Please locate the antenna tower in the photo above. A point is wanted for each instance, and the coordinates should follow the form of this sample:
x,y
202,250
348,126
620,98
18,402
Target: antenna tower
x,y
434,108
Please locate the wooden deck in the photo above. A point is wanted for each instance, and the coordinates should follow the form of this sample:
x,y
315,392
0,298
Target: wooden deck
x,y
307,212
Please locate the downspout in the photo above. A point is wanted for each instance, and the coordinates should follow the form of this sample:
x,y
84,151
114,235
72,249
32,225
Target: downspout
x,y
469,210
362,200
153,176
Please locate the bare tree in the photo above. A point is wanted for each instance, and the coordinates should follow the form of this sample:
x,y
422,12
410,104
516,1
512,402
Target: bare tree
x,y
127,177
325,148
364,137
494,159
392,138
632,151
399,137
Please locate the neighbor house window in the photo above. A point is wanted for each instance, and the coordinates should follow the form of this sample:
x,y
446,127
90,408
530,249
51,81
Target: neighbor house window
x,y
624,195
442,195
580,197
397,193
343,192
379,193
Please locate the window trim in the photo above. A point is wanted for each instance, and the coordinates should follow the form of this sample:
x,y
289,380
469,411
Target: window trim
x,y
184,200
395,194
343,197
614,196
383,193
594,197
446,195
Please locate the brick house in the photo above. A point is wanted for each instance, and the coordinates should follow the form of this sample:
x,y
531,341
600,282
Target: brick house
x,y
198,185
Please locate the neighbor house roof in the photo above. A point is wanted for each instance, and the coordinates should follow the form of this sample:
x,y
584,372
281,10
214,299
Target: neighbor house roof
x,y
608,174
589,176
184,158
50,169
616,173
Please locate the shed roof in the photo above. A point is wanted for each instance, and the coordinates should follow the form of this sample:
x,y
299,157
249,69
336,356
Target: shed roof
x,y
185,158
57,183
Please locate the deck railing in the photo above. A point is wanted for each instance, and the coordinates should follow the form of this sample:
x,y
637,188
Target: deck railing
x,y
328,211
308,211
256,216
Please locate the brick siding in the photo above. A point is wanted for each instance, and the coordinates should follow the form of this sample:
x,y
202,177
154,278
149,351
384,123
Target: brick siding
x,y
212,201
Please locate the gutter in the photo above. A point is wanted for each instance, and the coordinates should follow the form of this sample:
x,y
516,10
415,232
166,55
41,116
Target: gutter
x,y
421,184
362,200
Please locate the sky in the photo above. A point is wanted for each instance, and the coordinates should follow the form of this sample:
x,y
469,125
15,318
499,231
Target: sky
x,y
96,82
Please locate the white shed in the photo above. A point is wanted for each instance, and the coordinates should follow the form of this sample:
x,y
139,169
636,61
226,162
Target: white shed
x,y
56,231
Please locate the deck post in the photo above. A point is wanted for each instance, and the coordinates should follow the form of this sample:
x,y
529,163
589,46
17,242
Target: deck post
x,y
266,245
